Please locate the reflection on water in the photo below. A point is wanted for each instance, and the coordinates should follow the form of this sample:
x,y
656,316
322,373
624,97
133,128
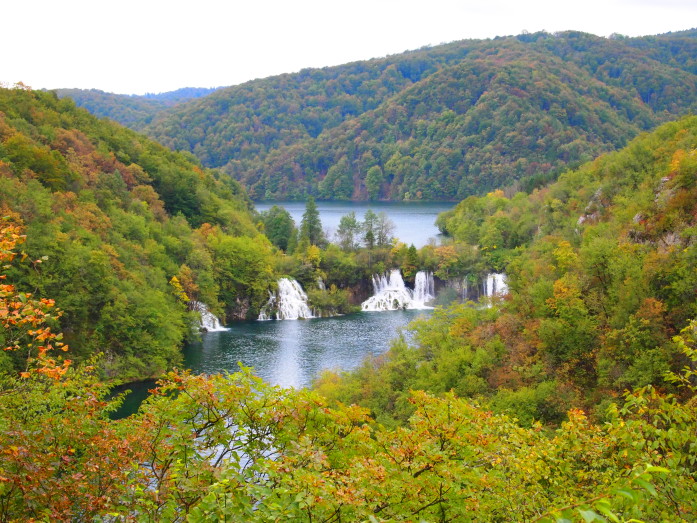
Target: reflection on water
x,y
292,353
289,353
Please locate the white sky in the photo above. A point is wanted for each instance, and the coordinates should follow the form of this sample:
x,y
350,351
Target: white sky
x,y
138,46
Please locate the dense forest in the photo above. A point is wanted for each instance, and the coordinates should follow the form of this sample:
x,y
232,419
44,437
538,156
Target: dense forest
x,y
113,220
438,123
133,111
128,237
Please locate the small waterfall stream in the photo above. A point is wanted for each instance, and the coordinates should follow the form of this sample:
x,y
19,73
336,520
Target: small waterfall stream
x,y
495,285
290,303
424,289
209,322
390,292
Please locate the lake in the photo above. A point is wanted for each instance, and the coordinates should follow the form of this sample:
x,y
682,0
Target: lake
x,y
414,221
291,353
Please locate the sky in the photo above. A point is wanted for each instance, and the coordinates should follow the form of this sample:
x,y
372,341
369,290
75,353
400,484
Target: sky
x,y
139,46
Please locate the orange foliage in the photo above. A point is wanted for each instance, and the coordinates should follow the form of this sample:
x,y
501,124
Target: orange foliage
x,y
24,318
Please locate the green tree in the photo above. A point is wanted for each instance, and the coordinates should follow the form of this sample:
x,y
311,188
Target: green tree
x,y
311,225
279,226
348,232
370,220
373,181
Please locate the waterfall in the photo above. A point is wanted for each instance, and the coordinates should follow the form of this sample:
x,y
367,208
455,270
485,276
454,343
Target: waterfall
x,y
390,293
495,285
209,322
424,288
289,304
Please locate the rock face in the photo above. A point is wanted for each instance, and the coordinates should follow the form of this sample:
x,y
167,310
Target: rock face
x,y
240,311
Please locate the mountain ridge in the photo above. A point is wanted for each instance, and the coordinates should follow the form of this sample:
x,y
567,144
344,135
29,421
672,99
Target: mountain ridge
x,y
310,133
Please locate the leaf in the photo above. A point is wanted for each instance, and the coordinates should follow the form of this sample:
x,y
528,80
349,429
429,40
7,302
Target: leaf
x,y
607,512
627,493
589,515
646,485
653,468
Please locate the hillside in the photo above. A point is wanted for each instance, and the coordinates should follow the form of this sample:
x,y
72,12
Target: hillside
x,y
438,123
599,285
121,228
601,279
133,111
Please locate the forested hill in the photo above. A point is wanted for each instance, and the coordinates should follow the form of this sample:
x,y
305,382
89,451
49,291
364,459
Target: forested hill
x,y
441,122
601,274
133,111
112,218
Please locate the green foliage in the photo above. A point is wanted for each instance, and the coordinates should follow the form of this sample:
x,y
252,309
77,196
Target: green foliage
x,y
330,302
439,123
348,232
112,216
601,276
130,110
279,227
311,226
233,447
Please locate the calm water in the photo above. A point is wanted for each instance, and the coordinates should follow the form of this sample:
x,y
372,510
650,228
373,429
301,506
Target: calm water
x,y
414,221
292,353
289,353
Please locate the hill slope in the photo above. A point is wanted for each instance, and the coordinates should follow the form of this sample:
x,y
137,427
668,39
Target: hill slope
x,y
439,123
130,110
114,217
601,278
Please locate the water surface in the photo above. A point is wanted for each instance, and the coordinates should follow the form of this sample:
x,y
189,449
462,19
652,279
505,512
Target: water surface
x,y
414,221
291,353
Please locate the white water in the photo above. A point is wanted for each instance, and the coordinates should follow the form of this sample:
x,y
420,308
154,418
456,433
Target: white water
x,y
495,285
289,304
390,292
209,322
424,289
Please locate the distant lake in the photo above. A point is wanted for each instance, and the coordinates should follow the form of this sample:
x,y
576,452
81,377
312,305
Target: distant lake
x,y
414,221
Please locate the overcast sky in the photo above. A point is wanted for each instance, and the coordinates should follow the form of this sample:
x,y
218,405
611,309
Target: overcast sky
x,y
138,46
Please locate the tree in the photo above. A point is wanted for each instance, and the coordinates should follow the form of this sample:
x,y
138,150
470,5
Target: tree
x,y
373,181
311,225
369,226
62,458
279,226
348,231
384,230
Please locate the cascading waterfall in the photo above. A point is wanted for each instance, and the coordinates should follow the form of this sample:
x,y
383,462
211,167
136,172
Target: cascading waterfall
x,y
209,322
477,288
290,303
390,292
495,285
424,289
